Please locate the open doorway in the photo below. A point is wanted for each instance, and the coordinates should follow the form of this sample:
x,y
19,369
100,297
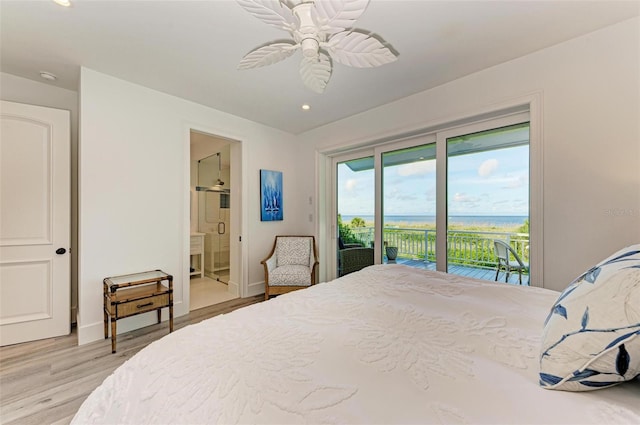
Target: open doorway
x,y
210,222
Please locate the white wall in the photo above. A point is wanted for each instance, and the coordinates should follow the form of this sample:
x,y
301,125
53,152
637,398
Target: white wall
x,y
591,138
134,190
22,90
134,172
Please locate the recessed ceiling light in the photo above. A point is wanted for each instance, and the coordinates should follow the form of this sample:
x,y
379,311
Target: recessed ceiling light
x,y
306,107
48,76
65,3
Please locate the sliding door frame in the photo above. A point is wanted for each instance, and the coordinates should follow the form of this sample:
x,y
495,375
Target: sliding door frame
x,y
412,142
332,251
523,109
442,158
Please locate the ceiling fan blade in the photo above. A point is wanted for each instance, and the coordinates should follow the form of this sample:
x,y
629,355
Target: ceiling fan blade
x,y
359,50
315,73
267,55
333,16
272,12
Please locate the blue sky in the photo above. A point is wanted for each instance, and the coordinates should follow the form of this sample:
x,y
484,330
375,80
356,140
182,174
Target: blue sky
x,y
495,182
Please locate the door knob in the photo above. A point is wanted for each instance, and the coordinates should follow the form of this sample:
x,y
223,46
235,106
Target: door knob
x,y
60,251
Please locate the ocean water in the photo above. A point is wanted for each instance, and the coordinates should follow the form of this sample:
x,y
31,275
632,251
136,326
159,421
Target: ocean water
x,y
466,220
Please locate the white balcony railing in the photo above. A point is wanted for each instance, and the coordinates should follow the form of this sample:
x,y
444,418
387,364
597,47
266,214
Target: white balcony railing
x,y
473,248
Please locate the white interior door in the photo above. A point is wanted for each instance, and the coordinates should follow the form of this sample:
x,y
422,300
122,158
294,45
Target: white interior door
x,y
34,223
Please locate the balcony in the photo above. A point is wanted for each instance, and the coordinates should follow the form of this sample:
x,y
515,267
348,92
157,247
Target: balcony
x,y
470,253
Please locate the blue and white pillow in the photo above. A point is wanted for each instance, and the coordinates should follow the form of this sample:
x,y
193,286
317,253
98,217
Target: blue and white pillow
x,y
591,337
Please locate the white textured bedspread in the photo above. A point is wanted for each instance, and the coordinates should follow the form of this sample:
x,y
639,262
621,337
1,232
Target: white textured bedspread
x,y
387,345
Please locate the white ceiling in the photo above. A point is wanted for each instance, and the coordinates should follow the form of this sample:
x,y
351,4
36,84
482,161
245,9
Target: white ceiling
x,y
191,49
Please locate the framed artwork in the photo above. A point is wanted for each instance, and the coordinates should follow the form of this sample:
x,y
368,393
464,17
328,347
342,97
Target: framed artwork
x,y
270,195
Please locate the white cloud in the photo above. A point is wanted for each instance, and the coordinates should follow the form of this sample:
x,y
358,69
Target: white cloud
x,y
516,182
463,203
350,184
464,198
458,197
417,168
488,167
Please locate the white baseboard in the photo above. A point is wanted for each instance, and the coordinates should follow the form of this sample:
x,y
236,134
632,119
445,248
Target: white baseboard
x,y
90,333
255,289
95,331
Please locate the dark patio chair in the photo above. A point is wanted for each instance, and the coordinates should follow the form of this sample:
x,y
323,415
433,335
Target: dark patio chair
x,y
353,259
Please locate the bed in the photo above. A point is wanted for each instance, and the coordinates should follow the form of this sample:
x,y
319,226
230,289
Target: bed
x,y
389,344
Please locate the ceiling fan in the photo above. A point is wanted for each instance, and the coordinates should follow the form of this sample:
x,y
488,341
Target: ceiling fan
x,y
322,29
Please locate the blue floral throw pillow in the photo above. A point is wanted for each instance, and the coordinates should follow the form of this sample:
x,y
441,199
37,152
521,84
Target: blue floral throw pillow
x,y
591,337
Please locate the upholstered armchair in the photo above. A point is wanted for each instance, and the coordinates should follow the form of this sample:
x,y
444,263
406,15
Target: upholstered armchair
x,y
291,265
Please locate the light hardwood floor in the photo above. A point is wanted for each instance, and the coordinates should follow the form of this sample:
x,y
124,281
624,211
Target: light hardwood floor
x,y
206,291
45,382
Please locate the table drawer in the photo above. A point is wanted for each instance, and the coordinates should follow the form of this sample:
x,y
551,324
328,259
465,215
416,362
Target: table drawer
x,y
142,305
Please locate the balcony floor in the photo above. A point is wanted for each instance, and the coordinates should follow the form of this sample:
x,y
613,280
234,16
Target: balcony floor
x,y
475,272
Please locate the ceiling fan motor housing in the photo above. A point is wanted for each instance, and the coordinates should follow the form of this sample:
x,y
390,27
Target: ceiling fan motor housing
x,y
307,34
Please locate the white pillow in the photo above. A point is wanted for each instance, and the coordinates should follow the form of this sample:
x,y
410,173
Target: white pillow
x,y
591,337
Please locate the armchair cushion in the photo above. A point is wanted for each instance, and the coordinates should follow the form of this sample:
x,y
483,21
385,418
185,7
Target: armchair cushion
x,y
294,251
290,275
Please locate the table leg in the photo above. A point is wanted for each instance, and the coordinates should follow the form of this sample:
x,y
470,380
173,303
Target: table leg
x,y
113,335
106,324
159,314
171,318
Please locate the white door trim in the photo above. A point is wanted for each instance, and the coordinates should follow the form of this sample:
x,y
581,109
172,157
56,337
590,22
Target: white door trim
x,y
240,264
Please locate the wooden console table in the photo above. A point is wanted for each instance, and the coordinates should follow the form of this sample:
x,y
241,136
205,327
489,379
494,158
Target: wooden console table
x,y
137,293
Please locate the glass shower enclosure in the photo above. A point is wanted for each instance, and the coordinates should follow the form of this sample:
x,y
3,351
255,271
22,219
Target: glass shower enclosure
x,y
214,213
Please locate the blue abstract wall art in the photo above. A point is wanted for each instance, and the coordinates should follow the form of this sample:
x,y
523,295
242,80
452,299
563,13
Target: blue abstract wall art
x,y
270,195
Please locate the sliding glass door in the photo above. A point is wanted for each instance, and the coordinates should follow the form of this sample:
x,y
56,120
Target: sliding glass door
x,y
409,205
355,206
440,200
488,200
